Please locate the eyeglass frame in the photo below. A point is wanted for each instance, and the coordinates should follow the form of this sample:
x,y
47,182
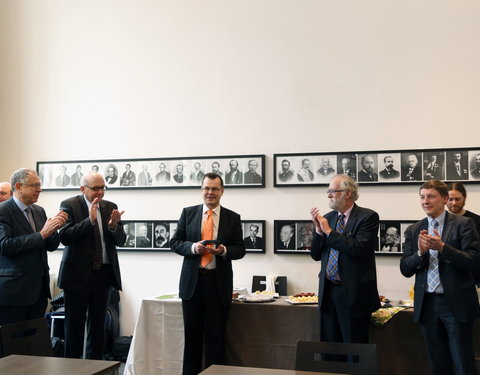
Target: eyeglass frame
x,y
97,188
35,186
334,191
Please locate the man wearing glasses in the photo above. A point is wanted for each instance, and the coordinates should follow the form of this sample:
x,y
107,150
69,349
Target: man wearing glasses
x,y
345,241
206,281
25,236
89,269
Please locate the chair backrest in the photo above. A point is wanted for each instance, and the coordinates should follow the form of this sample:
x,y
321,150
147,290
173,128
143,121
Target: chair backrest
x,y
30,337
360,358
259,283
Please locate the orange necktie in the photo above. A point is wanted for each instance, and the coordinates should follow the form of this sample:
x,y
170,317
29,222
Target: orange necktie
x,y
207,234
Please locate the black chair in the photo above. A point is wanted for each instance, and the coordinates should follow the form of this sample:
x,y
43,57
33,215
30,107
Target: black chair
x,y
30,337
363,357
260,283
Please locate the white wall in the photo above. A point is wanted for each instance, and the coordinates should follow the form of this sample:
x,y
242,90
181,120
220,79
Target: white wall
x,y
111,79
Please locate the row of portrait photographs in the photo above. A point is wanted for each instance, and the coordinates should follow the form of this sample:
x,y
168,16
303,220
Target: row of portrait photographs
x,y
156,235
293,236
159,173
392,237
451,165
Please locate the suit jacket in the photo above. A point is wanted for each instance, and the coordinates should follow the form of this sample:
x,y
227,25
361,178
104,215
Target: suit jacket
x,y
389,174
290,245
356,247
128,179
452,173
326,172
78,237
364,176
250,245
285,176
189,231
252,178
23,255
414,175
111,179
230,178
456,265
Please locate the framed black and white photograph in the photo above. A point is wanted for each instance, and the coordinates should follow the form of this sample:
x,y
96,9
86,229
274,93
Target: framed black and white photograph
x,y
293,236
237,171
254,235
148,235
377,167
392,236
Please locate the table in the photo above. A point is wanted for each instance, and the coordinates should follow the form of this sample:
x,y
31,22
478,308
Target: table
x,y
266,335
235,370
28,364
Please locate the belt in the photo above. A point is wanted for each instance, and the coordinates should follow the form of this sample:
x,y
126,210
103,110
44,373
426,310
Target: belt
x,y
204,271
333,282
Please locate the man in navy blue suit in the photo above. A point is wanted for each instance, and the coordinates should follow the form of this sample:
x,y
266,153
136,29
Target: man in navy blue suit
x,y
442,251
206,286
345,241
25,236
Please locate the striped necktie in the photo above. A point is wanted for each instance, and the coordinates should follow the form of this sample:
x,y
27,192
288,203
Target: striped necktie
x,y
332,264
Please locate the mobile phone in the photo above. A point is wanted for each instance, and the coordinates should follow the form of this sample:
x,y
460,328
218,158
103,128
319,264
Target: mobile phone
x,y
210,242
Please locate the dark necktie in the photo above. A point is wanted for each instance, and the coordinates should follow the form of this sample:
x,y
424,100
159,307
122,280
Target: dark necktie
x,y
28,211
98,254
332,264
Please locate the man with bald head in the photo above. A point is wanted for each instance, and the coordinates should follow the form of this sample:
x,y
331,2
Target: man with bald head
x,y
5,191
89,269
25,237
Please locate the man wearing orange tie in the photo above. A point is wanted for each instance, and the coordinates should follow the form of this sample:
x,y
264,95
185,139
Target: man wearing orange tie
x,y
206,280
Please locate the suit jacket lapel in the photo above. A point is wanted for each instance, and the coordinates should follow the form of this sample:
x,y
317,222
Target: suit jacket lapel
x,y
351,220
198,219
447,227
22,219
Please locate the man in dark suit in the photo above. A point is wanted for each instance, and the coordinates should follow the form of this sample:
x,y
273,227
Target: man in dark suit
x,y
286,237
457,168
128,177
389,171
233,176
253,241
76,177
162,236
5,191
251,176
286,174
326,170
411,171
347,293
441,251
367,173
62,179
206,281
89,268
197,175
25,236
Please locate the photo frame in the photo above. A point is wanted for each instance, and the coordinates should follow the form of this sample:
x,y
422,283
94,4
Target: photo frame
x,y
155,235
293,236
238,171
254,235
378,167
391,237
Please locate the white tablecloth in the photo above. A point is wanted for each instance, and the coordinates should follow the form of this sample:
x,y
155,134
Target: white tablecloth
x,y
157,344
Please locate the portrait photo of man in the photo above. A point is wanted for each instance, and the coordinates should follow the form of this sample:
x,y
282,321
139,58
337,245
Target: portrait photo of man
x,y
143,232
326,170
197,174
216,168
285,236
475,165
368,168
411,166
434,165
305,235
179,177
390,164
128,177
162,235
457,165
252,176
77,176
62,179
144,177
347,165
286,173
234,176
163,175
390,238
305,173
254,239
111,174
129,229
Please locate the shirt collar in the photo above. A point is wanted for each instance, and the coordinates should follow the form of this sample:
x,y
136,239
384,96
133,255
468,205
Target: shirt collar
x,y
440,219
216,210
347,213
20,204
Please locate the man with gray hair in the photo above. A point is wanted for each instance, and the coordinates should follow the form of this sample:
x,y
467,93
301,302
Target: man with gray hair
x,y
345,241
25,237
5,191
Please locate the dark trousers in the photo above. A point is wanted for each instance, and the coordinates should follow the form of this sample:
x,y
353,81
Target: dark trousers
x,y
15,314
88,305
449,343
336,321
204,319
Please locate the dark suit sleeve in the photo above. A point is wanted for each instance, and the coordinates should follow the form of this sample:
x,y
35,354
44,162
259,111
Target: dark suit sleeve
x,y
411,263
11,244
318,246
179,242
362,241
235,245
73,232
466,256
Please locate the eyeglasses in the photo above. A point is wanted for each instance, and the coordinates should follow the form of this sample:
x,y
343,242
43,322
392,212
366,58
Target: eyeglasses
x,y
332,191
35,186
213,190
97,188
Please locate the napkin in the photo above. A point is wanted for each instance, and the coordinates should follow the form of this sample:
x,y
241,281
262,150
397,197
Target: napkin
x,y
270,283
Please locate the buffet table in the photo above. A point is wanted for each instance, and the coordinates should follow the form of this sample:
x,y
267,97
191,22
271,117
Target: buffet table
x,y
266,335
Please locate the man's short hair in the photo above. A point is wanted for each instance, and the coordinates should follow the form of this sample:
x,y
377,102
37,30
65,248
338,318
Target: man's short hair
x,y
21,176
212,176
349,183
438,185
459,187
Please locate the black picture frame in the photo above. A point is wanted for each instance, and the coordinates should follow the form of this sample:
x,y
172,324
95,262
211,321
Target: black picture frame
x,y
238,171
258,245
381,167
293,236
391,237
